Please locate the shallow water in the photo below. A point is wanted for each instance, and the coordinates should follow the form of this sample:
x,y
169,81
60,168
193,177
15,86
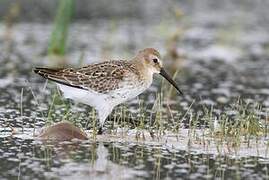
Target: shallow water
x,y
28,159
215,70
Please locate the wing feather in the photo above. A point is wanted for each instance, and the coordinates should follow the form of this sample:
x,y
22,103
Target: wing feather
x,y
101,77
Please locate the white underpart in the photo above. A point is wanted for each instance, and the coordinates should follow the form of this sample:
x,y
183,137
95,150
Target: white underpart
x,y
104,103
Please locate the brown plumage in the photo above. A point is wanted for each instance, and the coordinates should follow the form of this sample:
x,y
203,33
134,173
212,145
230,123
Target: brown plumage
x,y
107,84
101,77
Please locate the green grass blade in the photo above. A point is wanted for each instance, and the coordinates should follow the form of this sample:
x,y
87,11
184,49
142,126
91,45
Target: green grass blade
x,y
59,34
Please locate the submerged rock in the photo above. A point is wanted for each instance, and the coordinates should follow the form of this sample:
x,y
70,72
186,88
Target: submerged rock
x,y
63,131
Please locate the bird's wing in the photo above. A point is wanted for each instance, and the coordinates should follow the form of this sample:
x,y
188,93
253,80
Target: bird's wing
x,y
101,77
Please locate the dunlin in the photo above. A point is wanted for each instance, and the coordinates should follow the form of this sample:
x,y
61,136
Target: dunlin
x,y
107,84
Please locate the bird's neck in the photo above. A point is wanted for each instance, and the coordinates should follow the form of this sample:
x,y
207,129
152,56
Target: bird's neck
x,y
145,73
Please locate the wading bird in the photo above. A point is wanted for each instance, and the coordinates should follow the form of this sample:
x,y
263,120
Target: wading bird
x,y
107,84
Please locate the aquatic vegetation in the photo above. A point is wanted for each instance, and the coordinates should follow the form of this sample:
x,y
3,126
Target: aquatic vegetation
x,y
247,122
57,44
207,134
240,124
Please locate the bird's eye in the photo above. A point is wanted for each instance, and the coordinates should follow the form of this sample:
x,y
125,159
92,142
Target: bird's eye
x,y
155,60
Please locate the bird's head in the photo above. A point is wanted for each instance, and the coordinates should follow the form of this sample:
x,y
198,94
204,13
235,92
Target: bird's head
x,y
151,60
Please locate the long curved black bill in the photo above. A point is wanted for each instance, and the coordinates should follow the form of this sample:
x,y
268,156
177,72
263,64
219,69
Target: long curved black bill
x,y
168,78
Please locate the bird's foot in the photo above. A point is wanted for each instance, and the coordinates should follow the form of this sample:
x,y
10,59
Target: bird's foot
x,y
100,131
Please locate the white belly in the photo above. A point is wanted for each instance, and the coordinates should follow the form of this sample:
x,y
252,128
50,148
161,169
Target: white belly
x,y
99,100
122,95
91,98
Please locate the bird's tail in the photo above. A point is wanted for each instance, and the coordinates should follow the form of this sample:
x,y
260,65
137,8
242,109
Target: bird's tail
x,y
46,72
58,76
51,74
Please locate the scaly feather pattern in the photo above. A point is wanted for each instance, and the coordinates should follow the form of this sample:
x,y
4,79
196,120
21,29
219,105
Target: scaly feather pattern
x,y
101,77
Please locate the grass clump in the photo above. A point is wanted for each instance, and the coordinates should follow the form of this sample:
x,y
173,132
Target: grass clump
x,y
241,124
246,121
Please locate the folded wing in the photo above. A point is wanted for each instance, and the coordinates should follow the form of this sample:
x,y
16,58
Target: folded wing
x,y
101,77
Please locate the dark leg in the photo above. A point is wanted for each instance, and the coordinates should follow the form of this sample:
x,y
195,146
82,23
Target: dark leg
x,y
100,131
